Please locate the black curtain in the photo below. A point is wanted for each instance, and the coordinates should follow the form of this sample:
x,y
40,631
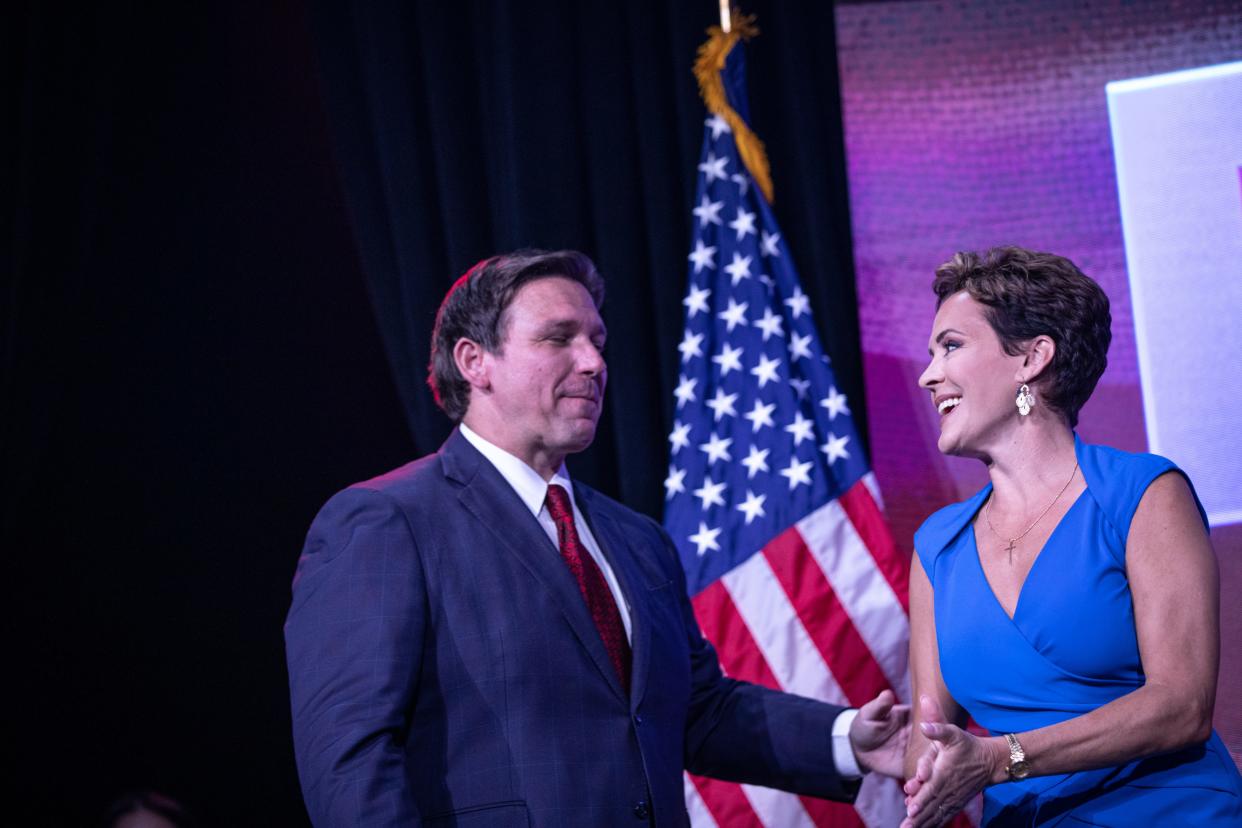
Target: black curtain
x,y
470,128
226,230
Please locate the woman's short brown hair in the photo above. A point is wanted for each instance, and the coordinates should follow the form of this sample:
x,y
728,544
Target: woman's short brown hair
x,y
1028,294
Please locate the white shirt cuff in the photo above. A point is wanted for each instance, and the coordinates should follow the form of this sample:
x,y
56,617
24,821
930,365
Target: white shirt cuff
x,y
842,751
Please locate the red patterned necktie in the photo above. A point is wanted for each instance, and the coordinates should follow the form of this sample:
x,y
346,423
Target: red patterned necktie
x,y
591,583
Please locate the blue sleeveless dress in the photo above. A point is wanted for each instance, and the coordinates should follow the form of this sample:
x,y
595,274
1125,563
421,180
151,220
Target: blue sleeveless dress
x,y
1070,648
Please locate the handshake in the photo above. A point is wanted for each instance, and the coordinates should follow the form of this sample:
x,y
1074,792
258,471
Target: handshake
x,y
952,770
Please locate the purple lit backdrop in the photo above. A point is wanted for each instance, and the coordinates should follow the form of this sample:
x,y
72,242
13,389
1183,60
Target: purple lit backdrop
x,y
980,123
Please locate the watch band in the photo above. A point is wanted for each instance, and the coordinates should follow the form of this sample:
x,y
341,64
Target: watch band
x,y
1019,767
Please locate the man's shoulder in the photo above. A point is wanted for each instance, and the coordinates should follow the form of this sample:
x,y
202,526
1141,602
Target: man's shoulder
x,y
414,481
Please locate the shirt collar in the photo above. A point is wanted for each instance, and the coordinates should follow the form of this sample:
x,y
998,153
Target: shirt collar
x,y
525,481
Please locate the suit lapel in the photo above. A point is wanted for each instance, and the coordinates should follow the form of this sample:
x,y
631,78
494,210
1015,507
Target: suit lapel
x,y
616,549
492,502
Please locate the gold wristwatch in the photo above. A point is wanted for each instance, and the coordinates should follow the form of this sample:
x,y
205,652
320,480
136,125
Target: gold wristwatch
x,y
1018,767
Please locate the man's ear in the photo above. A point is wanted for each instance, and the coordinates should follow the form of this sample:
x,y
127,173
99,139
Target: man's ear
x,y
472,362
1039,354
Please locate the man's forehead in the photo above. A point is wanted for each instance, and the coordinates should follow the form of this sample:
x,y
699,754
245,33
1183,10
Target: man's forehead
x,y
556,294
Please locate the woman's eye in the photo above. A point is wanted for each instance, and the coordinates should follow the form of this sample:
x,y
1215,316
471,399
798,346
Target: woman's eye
x,y
951,345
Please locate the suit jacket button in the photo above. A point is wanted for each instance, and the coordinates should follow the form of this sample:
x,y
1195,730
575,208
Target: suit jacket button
x,y
641,811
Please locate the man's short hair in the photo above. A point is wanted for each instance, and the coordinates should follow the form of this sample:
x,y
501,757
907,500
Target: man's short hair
x,y
474,309
1027,294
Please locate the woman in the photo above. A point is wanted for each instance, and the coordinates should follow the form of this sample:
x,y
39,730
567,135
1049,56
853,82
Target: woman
x,y
1071,606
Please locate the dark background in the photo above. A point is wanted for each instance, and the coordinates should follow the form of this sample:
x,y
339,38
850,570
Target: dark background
x,y
226,232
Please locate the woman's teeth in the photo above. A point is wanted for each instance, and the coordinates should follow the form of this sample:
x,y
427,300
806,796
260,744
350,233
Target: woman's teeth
x,y
946,405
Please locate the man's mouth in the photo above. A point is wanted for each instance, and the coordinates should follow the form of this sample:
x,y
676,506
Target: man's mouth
x,y
588,395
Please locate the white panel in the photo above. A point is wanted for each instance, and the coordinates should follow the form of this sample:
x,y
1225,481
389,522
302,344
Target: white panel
x,y
1177,141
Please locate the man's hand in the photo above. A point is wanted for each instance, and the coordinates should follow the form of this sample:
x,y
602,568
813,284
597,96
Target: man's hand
x,y
879,733
956,767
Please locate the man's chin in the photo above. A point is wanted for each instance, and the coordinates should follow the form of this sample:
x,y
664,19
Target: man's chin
x,y
578,437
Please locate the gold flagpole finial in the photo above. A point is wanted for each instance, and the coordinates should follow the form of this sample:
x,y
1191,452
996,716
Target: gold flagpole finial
x,y
707,69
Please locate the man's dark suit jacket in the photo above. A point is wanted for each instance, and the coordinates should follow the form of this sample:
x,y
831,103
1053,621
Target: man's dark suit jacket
x,y
444,669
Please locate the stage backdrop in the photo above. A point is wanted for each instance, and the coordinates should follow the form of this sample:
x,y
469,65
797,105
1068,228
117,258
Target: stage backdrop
x,y
205,210
974,124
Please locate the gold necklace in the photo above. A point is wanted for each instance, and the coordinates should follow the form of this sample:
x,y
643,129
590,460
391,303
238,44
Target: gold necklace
x,y
1012,542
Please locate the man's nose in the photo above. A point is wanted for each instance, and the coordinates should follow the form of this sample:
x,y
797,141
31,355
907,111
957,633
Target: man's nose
x,y
590,359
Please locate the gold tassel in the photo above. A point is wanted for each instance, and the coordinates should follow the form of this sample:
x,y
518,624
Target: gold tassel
x,y
707,69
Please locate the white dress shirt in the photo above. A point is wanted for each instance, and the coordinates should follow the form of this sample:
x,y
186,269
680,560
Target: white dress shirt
x,y
533,491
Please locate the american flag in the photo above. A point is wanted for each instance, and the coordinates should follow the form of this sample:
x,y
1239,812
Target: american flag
x,y
792,571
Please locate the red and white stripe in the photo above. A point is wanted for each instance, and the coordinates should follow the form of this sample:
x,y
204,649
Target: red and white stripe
x,y
821,612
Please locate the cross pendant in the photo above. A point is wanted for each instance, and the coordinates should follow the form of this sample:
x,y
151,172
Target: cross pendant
x,y
1009,549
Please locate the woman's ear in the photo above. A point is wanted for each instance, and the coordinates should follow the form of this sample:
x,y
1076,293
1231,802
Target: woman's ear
x,y
1039,353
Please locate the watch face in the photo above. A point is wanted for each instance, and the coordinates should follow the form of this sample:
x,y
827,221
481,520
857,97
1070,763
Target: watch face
x,y
1019,770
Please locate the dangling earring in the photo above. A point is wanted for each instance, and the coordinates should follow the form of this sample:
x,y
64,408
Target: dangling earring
x,y
1025,400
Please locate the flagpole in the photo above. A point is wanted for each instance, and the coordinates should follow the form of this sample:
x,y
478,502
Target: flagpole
x,y
725,15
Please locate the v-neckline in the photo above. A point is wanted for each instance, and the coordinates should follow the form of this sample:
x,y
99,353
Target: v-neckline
x,y
1034,563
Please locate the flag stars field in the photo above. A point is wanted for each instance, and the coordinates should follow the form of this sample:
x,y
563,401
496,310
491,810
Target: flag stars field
x,y
717,448
768,243
752,507
729,359
690,346
765,371
835,403
708,212
799,347
798,303
735,314
710,493
675,483
756,461
801,428
744,224
722,404
835,447
703,256
696,300
770,323
714,168
705,539
679,437
739,268
797,472
800,386
685,390
761,415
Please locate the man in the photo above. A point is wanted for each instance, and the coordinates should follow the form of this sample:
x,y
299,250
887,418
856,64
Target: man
x,y
475,639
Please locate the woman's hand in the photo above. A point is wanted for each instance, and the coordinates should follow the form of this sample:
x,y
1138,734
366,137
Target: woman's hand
x,y
955,768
